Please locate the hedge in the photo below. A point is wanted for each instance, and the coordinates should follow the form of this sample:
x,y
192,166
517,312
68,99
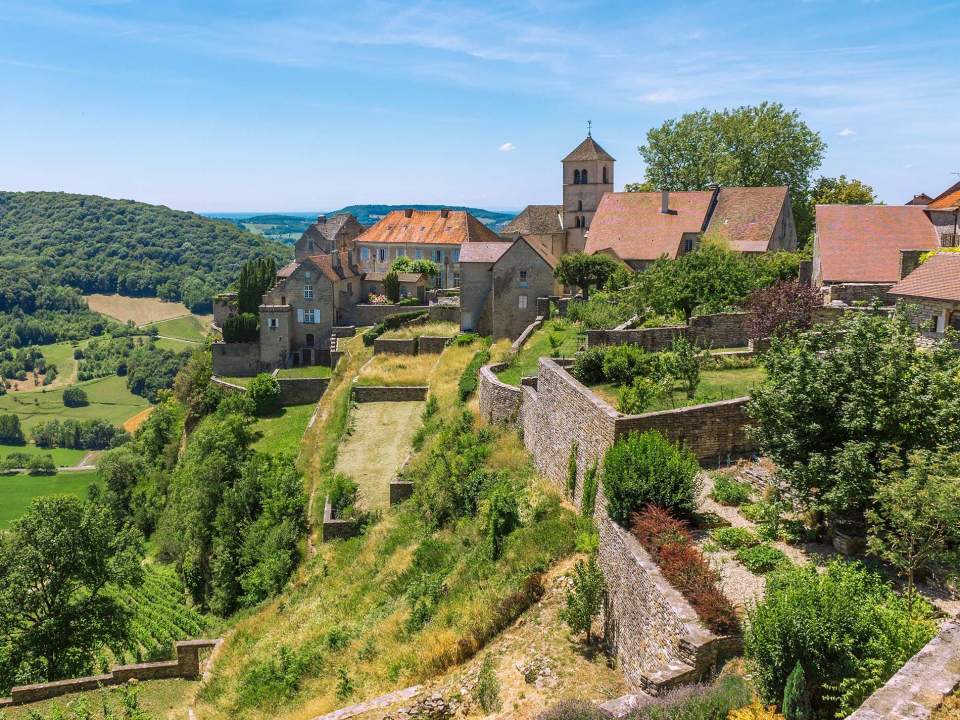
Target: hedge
x,y
471,375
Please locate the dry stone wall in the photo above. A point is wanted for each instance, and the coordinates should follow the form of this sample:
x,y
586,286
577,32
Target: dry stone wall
x,y
432,344
720,330
379,393
238,359
395,346
499,402
300,391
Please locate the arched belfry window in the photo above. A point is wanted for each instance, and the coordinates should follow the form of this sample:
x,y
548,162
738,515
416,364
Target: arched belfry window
x,y
576,177
576,221
605,181
579,204
583,221
583,177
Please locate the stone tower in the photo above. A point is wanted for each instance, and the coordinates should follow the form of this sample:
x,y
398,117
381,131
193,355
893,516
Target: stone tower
x,y
587,175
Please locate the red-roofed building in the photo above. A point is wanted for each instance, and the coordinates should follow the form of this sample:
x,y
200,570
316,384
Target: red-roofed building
x,y
944,212
639,228
934,288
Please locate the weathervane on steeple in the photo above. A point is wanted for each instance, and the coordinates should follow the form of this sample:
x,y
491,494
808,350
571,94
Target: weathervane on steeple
x,y
589,126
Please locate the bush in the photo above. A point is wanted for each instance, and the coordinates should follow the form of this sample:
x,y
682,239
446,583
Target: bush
x,y
503,516
683,565
488,687
585,599
588,366
241,328
589,499
728,491
796,699
41,465
393,322
845,625
471,374
574,710
74,397
264,392
734,538
646,469
622,363
634,398
343,493
761,559
697,702
391,286
10,431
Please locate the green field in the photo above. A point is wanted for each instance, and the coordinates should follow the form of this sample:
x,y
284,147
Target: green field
x,y
189,327
568,337
306,371
109,400
16,491
176,345
63,457
282,432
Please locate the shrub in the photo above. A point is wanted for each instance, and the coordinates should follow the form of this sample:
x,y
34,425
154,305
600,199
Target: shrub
x,y
585,599
728,491
574,710
471,374
734,538
74,397
264,392
343,493
683,565
622,363
646,469
845,625
10,431
697,702
391,286
796,699
266,684
588,366
503,516
241,328
634,398
761,559
589,499
685,363
41,465
488,686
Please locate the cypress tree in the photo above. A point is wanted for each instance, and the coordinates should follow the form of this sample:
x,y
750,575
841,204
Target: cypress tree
x,y
796,700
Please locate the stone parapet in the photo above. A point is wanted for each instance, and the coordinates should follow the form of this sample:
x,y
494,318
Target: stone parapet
x,y
719,330
499,402
380,393
400,490
395,346
432,344
337,528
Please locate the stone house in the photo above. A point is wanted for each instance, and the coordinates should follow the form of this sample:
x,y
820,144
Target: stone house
x,y
501,284
411,285
944,213
933,288
436,235
640,227
328,235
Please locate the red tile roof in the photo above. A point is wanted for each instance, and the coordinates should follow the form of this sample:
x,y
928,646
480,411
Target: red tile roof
x,y
428,227
632,226
949,199
936,279
483,252
589,149
342,271
288,269
862,243
747,216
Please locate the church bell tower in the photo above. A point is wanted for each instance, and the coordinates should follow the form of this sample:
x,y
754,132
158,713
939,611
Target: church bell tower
x,y
587,175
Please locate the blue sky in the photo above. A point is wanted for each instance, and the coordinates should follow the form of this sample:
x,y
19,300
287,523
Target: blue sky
x,y
265,105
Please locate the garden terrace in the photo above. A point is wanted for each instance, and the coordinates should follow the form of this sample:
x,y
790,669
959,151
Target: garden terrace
x,y
557,338
429,329
388,370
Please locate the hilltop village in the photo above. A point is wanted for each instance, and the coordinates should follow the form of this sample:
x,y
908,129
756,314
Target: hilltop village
x,y
652,454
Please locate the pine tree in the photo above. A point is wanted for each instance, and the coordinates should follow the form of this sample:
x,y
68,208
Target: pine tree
x,y
796,700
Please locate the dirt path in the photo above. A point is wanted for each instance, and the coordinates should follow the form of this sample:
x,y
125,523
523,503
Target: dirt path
x,y
131,424
377,447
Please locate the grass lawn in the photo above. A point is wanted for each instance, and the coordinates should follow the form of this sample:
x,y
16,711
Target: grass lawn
x,y
63,457
141,310
566,335
167,699
397,370
714,385
188,327
306,371
234,380
176,345
16,491
433,329
109,400
283,431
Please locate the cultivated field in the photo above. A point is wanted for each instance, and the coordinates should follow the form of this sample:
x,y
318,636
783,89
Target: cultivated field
x,y
187,327
140,310
17,491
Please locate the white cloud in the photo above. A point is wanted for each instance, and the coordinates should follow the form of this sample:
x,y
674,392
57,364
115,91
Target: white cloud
x,y
847,132
508,147
908,166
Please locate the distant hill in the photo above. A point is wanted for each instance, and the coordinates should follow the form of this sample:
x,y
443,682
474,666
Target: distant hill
x,y
288,228
97,244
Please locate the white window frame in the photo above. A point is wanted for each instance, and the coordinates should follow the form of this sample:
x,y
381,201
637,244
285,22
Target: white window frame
x,y
308,317
308,292
273,323
364,253
523,279
522,302
382,254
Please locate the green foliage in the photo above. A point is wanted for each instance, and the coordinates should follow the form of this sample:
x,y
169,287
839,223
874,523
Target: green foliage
x,y
915,522
840,191
52,630
572,469
589,499
845,626
585,271
391,286
75,397
634,398
10,431
646,469
393,322
728,491
685,363
588,365
604,310
503,516
267,684
761,558
488,686
471,374
623,363
264,392
840,400
78,434
41,465
255,278
734,538
574,710
343,493
151,369
796,699
585,599
698,702
403,264
241,328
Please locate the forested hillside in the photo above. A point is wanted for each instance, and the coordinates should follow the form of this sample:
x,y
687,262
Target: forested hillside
x,y
97,244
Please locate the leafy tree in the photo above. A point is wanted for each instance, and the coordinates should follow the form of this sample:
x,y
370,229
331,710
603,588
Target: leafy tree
x,y
585,599
264,392
760,145
75,397
403,264
685,363
796,700
256,277
503,516
41,465
197,295
10,431
391,286
787,306
585,271
121,470
840,191
60,567
915,522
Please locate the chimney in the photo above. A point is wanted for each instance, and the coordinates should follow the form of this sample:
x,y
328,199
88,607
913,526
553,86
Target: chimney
x,y
445,213
321,219
408,213
664,202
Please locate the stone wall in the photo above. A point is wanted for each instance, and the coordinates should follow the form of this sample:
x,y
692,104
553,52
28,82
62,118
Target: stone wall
x,y
499,402
237,359
432,344
849,293
921,685
336,528
363,315
377,393
395,346
400,490
300,391
720,330
187,666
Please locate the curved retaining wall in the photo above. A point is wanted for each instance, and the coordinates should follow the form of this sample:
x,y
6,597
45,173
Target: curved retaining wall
x,y
499,402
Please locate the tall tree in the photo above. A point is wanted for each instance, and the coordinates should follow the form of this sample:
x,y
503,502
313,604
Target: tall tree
x,y
60,566
256,277
841,191
759,145
585,271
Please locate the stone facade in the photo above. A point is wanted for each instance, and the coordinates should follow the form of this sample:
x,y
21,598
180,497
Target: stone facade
x,y
377,393
300,391
364,315
236,359
850,293
224,306
920,686
520,276
718,331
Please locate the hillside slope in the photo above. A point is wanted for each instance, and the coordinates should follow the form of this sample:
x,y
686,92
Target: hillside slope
x,y
98,244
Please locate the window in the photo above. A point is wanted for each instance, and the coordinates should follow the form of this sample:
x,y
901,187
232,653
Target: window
x,y
283,299
522,302
576,177
583,177
364,253
273,323
418,254
456,255
307,275
438,255
605,181
382,254
576,221
456,279
308,292
523,278
688,244
579,204
310,317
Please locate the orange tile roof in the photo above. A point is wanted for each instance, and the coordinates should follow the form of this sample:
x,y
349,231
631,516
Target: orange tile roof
x,y
288,269
862,243
428,227
949,199
747,216
936,279
334,273
632,226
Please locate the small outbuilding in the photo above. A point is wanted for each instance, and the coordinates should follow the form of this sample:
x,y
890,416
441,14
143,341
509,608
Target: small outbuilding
x,y
411,284
933,288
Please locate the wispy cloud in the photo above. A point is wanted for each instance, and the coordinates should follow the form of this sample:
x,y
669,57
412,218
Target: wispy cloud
x,y
847,132
507,147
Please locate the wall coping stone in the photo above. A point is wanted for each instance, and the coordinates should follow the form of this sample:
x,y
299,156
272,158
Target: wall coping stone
x,y
525,335
389,393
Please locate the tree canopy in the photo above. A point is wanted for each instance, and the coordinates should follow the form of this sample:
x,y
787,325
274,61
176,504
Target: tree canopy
x,y
841,191
585,271
403,264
